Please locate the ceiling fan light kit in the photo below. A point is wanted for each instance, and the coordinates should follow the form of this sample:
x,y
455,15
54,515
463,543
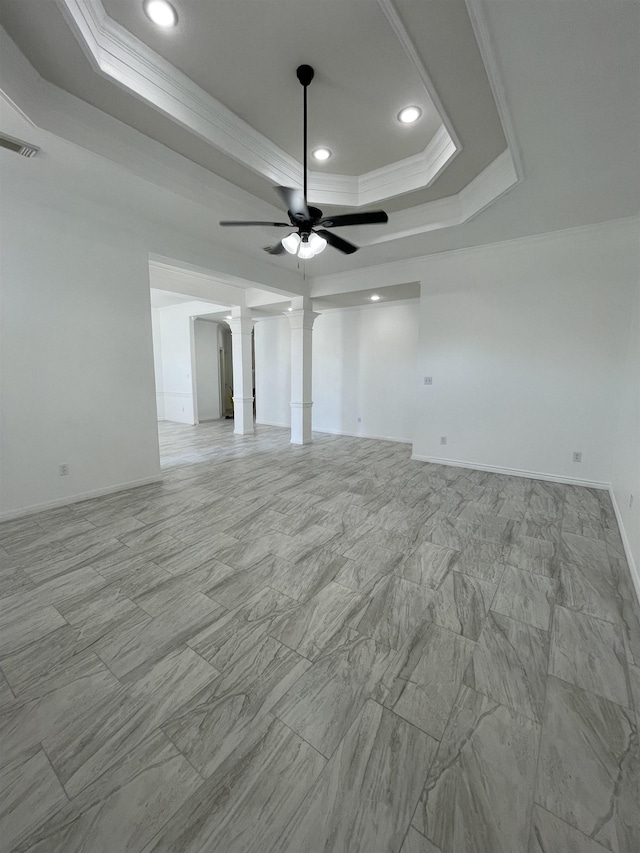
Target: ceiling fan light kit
x,y
311,235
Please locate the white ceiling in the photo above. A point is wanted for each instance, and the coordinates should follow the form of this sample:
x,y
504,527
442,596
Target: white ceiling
x,y
243,55
564,73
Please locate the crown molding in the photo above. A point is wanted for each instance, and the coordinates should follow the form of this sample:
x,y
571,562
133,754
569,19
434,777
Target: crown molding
x,y
117,54
494,181
56,111
416,268
478,18
403,176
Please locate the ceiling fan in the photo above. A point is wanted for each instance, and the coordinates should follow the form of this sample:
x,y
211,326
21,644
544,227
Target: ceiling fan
x,y
310,235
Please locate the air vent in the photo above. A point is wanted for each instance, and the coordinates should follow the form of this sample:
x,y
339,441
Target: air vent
x,y
19,147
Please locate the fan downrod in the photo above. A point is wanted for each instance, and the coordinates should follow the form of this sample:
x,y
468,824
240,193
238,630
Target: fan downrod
x,y
305,74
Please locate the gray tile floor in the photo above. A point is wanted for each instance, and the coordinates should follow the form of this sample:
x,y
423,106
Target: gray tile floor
x,y
328,649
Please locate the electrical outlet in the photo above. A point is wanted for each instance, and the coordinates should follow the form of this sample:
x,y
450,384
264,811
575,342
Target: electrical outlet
x,y
428,380
443,439
63,469
577,456
631,499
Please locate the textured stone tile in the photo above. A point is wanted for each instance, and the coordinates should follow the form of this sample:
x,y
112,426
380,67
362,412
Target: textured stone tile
x,y
22,623
105,817
538,526
323,703
589,766
29,793
631,630
311,627
533,554
589,588
482,560
428,565
461,604
415,842
509,665
393,612
426,688
549,834
583,551
249,799
479,792
379,754
589,653
525,596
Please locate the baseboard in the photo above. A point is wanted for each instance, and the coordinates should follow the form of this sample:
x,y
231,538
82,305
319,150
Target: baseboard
x,y
273,423
74,499
513,472
363,435
635,574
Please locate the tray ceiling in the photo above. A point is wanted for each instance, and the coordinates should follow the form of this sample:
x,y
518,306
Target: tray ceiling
x,y
244,55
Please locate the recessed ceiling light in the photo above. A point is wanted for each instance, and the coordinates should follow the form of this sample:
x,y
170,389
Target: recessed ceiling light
x,y
321,153
229,317
289,309
375,298
409,115
161,12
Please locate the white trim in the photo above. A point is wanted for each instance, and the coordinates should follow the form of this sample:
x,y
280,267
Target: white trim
x,y
511,472
412,269
492,183
478,17
396,24
47,107
363,435
367,306
184,394
74,499
633,568
403,176
117,54
273,424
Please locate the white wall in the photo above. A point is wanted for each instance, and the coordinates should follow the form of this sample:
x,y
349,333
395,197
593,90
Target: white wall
x,y
272,341
174,353
157,361
76,355
626,454
207,370
364,366
523,341
177,365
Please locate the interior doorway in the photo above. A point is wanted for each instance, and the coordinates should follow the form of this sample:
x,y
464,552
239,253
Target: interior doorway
x,y
226,372
206,370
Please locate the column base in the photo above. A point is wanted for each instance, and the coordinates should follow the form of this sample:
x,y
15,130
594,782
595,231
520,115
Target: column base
x,y
301,423
243,416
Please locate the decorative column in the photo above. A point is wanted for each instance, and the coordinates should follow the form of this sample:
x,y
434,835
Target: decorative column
x,y
241,326
301,319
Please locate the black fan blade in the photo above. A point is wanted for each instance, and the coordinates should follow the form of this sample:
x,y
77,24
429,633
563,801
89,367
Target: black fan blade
x,y
366,218
274,224
337,242
278,249
295,202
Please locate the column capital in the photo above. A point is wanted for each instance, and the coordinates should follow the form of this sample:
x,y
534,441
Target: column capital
x,y
241,325
301,319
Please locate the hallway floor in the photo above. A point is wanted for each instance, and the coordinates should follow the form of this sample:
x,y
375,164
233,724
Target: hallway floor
x,y
321,649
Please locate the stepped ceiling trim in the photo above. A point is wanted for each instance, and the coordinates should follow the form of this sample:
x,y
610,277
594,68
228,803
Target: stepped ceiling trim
x,y
117,54
52,109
